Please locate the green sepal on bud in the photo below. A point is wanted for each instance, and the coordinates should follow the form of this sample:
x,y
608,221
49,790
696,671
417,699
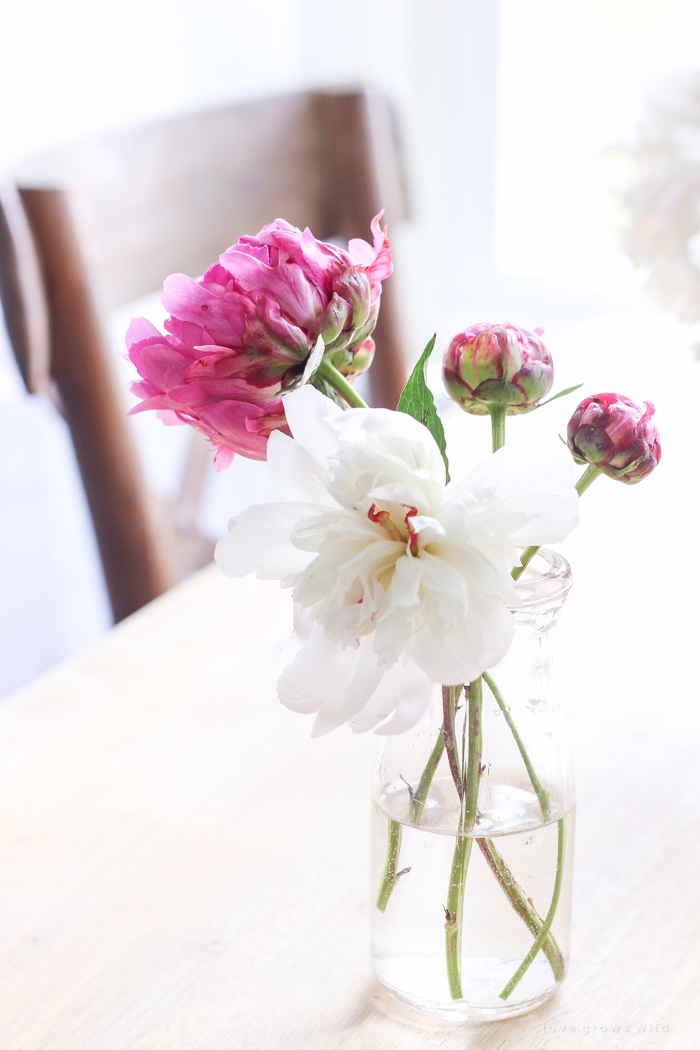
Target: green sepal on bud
x,y
502,365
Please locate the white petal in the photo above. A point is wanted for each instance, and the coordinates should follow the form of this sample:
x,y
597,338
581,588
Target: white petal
x,y
285,651
398,433
428,528
390,453
315,673
460,656
258,542
535,481
413,701
295,473
483,574
350,697
391,635
311,417
327,678
403,690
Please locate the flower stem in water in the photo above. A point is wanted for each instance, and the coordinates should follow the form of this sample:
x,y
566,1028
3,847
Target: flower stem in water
x,y
421,792
450,694
390,874
544,932
393,845
453,914
541,792
471,773
523,905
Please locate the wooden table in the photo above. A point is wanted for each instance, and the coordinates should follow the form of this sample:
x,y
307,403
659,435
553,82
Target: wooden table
x,y
183,868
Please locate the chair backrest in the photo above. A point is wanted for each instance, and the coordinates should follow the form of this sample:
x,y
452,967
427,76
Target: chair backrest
x,y
113,216
22,294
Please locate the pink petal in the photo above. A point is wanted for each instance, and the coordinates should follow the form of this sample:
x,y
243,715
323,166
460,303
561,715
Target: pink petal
x,y
224,458
218,311
287,284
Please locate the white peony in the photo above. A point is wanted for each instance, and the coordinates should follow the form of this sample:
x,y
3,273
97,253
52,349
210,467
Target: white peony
x,y
399,580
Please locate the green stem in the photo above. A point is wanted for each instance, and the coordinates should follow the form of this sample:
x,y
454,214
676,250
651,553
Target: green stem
x,y
463,843
522,905
544,932
474,760
542,794
453,913
393,846
390,875
421,792
587,478
498,425
525,559
584,482
339,383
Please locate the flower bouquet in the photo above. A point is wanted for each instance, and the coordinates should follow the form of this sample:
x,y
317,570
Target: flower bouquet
x,y
422,605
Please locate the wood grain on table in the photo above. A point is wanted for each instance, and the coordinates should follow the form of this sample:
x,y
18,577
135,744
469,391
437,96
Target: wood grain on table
x,y
183,868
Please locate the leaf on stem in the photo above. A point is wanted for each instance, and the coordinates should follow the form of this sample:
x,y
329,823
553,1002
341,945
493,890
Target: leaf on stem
x,y
562,393
417,400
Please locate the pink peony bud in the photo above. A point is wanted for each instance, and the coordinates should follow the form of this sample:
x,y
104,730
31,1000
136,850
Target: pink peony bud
x,y
497,365
239,337
616,436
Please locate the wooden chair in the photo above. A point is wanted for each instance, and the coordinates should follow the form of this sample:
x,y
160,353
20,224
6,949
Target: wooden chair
x,y
101,223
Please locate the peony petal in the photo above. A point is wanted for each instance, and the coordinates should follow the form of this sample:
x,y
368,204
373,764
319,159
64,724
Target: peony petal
x,y
330,679
288,285
293,471
223,458
316,673
360,252
258,542
311,418
376,257
404,692
460,656
228,419
349,697
220,313
414,691
534,480
287,649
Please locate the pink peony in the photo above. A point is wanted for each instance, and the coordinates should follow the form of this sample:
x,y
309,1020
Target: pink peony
x,y
497,364
239,337
616,435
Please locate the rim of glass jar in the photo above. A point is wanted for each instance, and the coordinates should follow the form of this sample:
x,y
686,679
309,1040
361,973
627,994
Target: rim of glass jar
x,y
546,580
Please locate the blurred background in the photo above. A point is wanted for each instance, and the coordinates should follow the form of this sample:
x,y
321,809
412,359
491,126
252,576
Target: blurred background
x,y
522,129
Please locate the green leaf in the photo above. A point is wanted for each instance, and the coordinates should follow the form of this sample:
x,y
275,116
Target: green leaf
x,y
417,400
562,393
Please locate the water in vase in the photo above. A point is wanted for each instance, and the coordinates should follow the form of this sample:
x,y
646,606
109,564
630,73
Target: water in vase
x,y
511,844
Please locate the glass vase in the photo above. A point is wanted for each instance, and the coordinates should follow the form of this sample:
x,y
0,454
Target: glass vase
x,y
472,832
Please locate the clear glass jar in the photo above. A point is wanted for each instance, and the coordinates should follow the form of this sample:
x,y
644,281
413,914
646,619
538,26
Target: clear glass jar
x,y
472,841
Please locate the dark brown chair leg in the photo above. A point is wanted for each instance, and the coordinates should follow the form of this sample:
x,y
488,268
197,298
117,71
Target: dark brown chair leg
x,y
106,456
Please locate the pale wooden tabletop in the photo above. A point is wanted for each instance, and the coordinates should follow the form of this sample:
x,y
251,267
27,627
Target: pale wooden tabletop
x,y
183,867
